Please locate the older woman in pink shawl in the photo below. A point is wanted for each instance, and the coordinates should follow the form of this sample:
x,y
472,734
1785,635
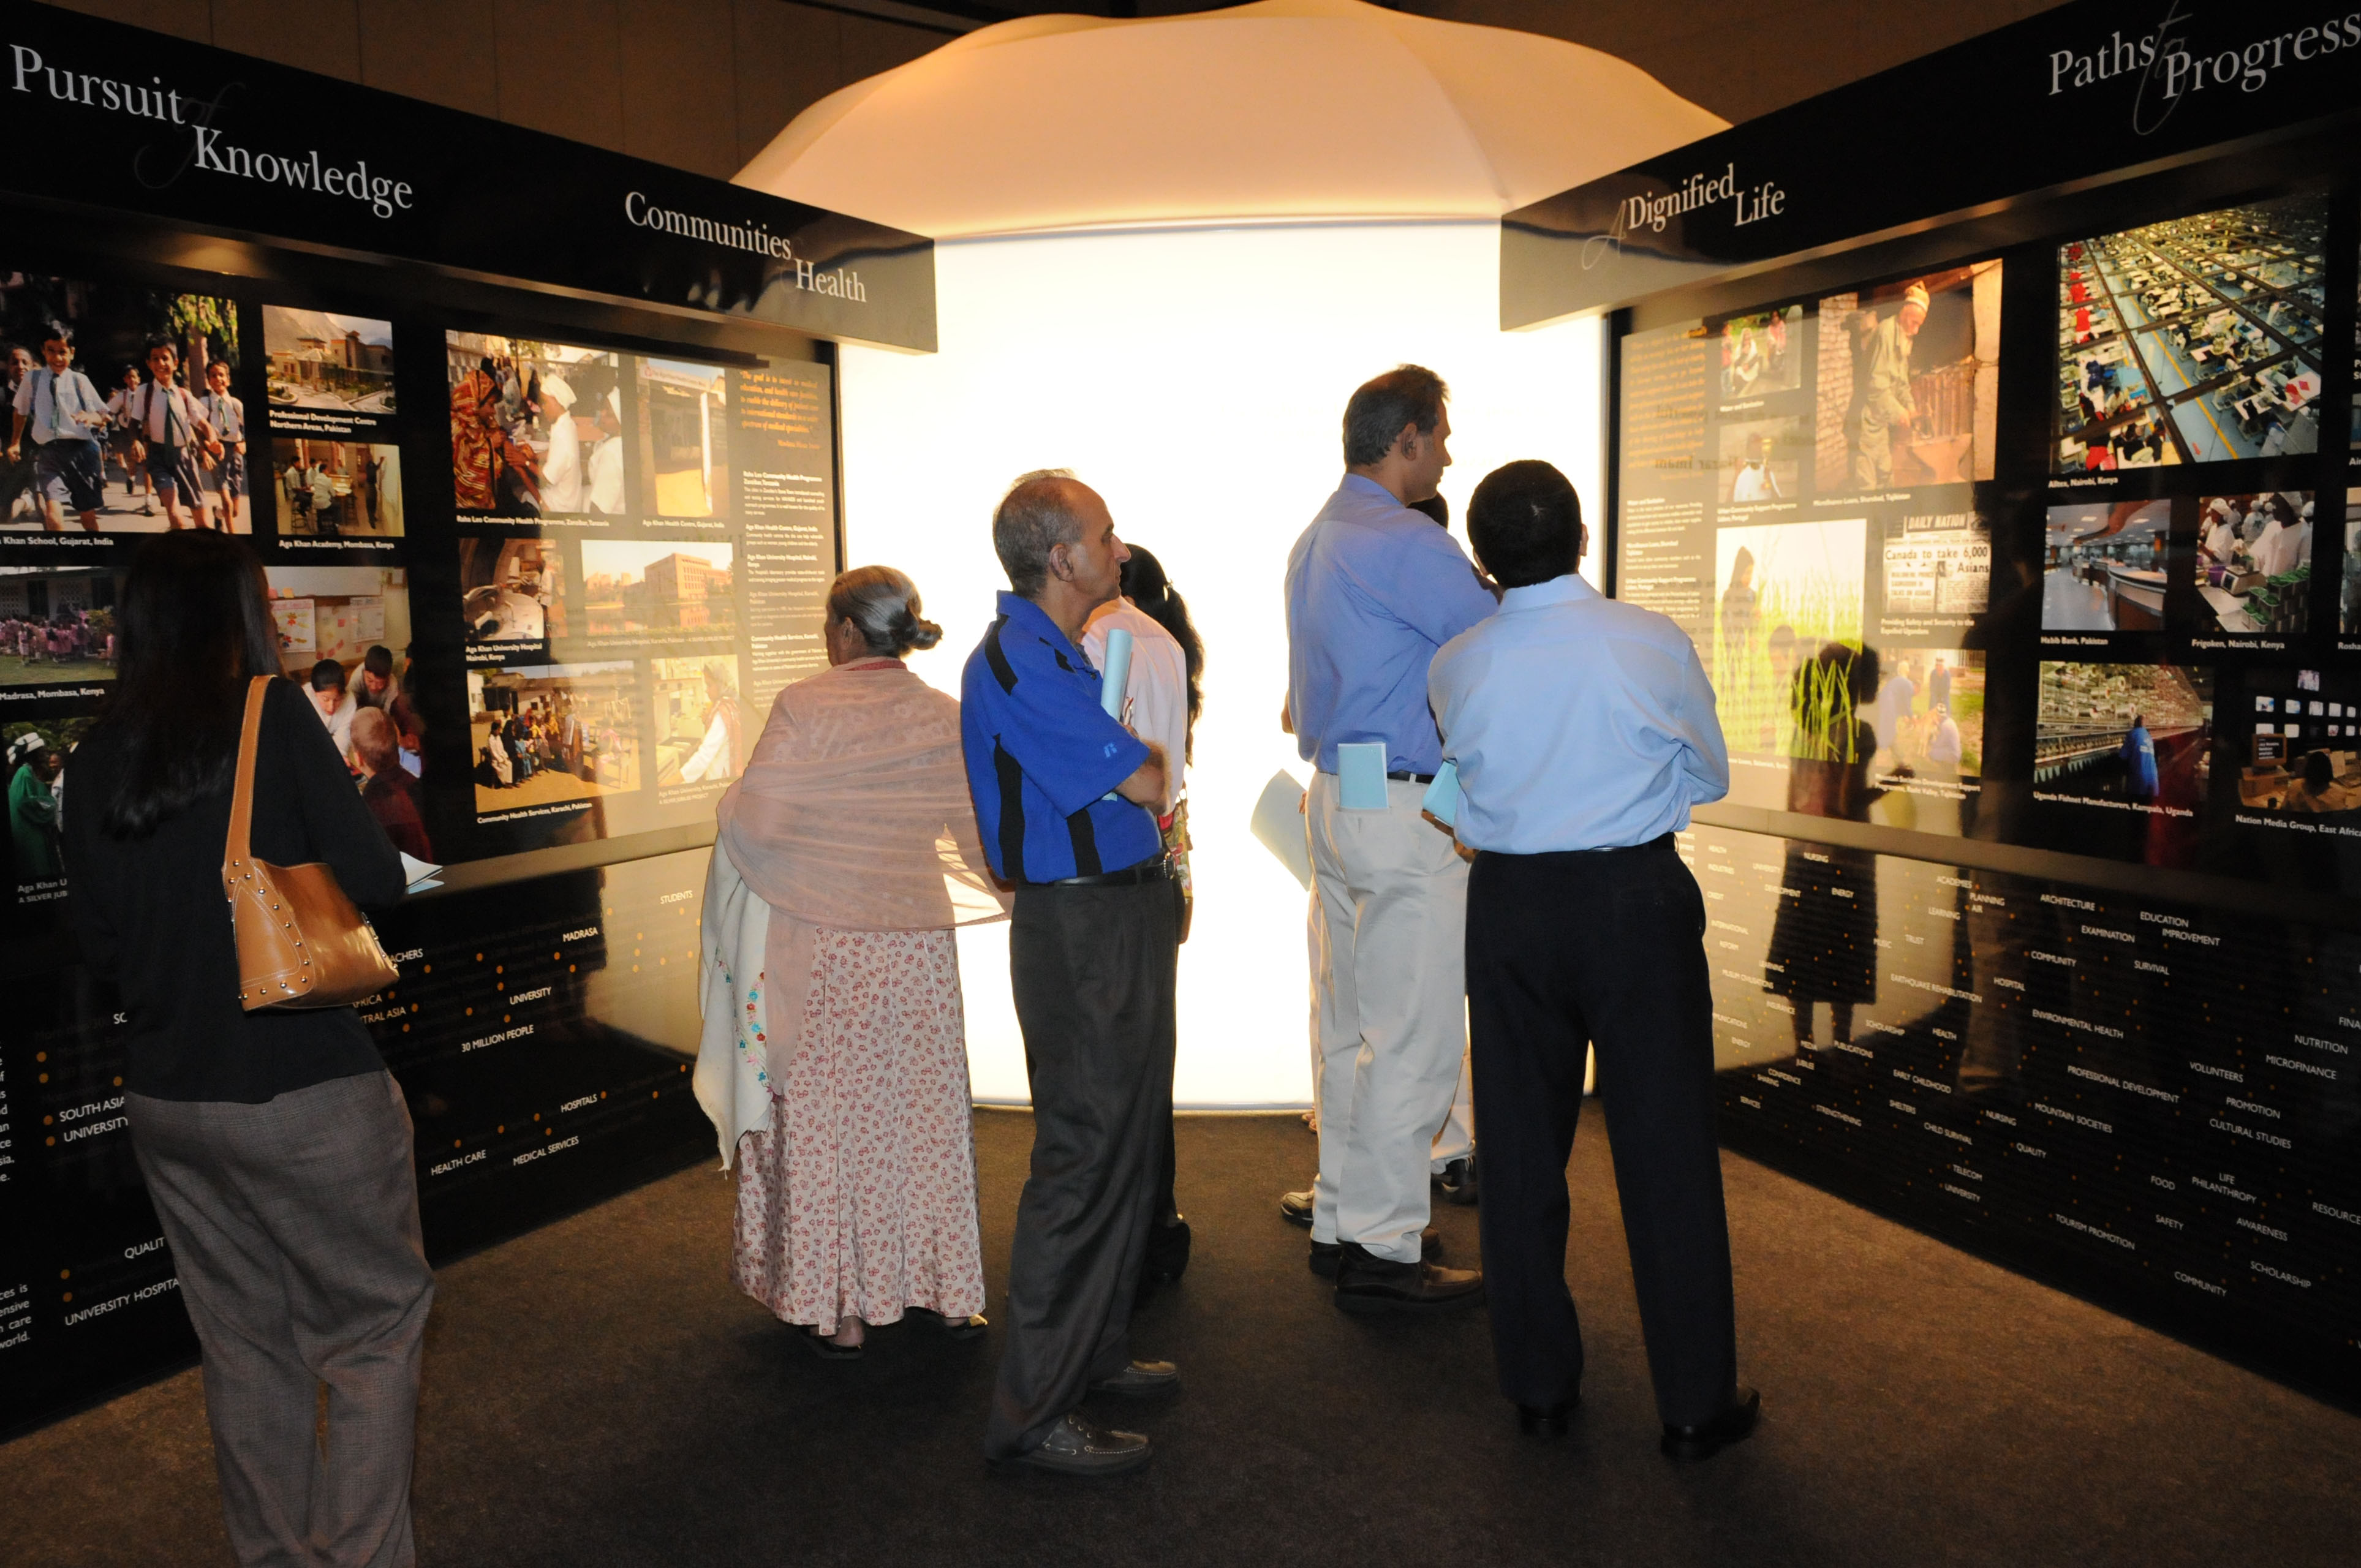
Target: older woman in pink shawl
x,y
852,823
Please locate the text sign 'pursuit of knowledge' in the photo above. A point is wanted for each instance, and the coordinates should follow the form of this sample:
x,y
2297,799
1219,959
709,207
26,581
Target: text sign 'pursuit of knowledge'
x,y
140,122
2085,90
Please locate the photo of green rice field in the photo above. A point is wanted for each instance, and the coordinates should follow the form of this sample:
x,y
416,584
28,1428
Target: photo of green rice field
x,y
1784,590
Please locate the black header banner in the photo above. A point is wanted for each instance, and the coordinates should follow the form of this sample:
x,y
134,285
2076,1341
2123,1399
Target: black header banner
x,y
134,120
2093,88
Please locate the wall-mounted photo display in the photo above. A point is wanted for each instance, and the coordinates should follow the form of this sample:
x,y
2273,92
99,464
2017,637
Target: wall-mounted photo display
x,y
329,374
1938,572
554,735
653,593
1789,591
2128,736
701,732
2252,568
344,633
1909,382
2104,566
511,604
336,490
537,429
122,411
2195,340
2348,586
2298,741
1761,461
56,626
1761,354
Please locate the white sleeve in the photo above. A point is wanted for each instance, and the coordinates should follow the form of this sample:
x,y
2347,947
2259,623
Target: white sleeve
x,y
1159,690
711,756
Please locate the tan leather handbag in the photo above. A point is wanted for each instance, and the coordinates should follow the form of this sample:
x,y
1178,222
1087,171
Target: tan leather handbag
x,y
301,943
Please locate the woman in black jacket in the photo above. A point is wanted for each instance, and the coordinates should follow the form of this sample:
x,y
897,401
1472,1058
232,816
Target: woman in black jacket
x,y
275,1145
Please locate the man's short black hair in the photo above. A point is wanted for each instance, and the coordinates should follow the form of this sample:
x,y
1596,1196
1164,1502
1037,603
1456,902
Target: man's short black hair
x,y
162,340
378,662
327,675
56,332
1525,522
1405,395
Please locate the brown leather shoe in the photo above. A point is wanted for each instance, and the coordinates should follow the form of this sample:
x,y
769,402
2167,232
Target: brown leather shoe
x,y
1368,1283
1074,1447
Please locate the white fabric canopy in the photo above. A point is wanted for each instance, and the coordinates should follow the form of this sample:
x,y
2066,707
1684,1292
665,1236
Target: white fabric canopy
x,y
1282,110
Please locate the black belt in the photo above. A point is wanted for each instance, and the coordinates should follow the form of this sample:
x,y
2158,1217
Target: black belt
x,y
1156,869
1413,778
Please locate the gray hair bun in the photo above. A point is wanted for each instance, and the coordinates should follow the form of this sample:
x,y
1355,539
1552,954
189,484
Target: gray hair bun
x,y
884,603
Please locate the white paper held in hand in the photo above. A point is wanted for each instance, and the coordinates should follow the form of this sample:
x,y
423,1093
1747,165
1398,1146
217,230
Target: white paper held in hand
x,y
418,873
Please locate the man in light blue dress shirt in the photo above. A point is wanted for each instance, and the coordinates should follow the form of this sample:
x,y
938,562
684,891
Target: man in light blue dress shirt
x,y
1584,730
1373,589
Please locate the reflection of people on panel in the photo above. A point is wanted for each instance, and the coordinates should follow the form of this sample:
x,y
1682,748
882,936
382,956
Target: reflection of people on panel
x,y
1881,358
1824,936
2138,755
561,471
1065,800
716,757
1373,589
480,447
1755,482
1585,931
829,913
1739,602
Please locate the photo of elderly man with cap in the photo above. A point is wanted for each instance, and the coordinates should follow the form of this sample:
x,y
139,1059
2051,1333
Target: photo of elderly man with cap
x,y
1882,399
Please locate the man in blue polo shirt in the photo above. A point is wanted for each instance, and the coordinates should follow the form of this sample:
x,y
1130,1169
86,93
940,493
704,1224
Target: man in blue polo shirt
x,y
1065,797
1373,590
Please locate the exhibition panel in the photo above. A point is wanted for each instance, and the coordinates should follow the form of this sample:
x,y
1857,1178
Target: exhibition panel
x,y
2006,507
545,487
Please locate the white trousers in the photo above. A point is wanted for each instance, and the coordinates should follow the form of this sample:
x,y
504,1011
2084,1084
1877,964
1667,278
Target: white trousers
x,y
1390,992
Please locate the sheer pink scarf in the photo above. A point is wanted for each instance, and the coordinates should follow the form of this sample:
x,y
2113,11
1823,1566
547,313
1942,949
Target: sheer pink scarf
x,y
854,815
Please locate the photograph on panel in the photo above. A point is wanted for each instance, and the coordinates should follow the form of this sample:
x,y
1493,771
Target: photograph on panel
x,y
57,625
1787,591
1929,716
1761,460
2197,340
658,592
684,438
2135,736
2253,564
123,413
2348,588
2299,731
36,754
328,373
344,636
509,592
700,721
1938,572
2104,566
533,427
336,489
549,733
1909,382
1761,354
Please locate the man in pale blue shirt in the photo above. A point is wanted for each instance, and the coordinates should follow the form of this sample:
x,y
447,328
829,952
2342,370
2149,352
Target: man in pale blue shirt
x,y
1583,730
1373,589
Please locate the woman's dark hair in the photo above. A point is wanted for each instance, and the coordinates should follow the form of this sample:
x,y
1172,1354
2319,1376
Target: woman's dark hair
x,y
1145,585
193,627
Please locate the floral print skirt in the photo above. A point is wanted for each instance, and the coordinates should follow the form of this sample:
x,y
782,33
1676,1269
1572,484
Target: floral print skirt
x,y
860,1200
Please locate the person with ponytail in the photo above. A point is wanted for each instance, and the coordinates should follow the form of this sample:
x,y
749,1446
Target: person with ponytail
x,y
275,1145
834,1057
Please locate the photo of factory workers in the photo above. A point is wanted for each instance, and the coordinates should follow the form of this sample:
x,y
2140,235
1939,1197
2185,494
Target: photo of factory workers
x,y
535,427
121,414
2134,736
510,589
328,370
2104,566
1787,590
1761,460
551,733
1915,366
57,625
2193,341
336,489
1762,353
2253,562
2302,752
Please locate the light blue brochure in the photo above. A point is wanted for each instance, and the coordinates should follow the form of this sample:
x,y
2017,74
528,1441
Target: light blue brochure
x,y
1361,775
1441,801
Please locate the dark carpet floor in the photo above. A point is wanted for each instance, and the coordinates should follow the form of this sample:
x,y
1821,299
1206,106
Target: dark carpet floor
x,y
596,1393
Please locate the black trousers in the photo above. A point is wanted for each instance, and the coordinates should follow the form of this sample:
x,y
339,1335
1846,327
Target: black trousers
x,y
1093,969
1603,947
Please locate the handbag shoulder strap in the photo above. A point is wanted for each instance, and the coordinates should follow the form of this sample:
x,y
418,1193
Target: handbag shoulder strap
x,y
241,801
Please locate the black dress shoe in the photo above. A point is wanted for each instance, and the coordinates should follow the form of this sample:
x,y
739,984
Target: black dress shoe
x,y
1167,1252
1535,1421
1734,1424
1457,1183
1295,1208
826,1348
1368,1283
1074,1447
1325,1254
968,1327
1140,1380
